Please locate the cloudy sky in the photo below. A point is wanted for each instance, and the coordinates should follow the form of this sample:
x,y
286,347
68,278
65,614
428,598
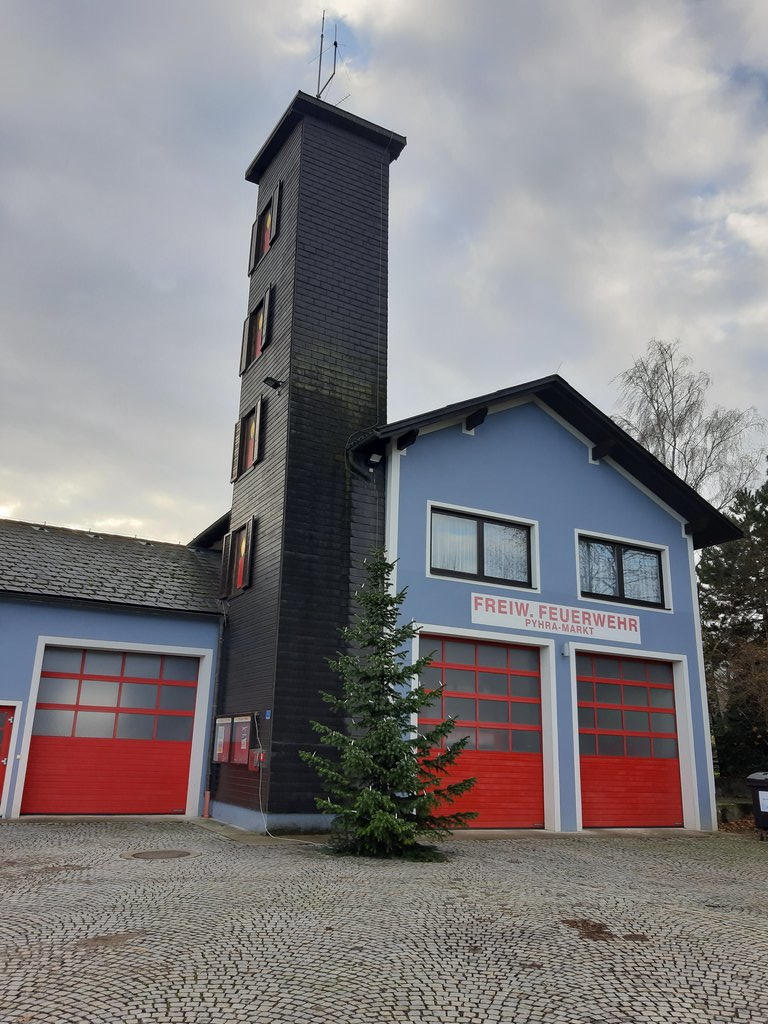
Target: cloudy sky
x,y
580,176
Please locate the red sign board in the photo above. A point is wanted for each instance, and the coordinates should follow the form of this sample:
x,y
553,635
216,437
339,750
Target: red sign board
x,y
241,739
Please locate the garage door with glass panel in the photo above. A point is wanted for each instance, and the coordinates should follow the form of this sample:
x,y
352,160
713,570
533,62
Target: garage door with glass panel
x,y
112,733
494,692
630,768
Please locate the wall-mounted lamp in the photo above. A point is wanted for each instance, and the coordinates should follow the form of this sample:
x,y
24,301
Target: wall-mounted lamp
x,y
274,383
375,458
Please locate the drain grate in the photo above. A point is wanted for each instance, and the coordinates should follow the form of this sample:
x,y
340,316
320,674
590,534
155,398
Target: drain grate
x,y
159,854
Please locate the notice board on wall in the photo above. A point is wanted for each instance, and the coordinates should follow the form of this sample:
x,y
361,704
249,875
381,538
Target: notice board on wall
x,y
222,740
241,739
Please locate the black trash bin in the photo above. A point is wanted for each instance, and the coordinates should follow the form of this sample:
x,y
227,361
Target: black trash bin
x,y
758,783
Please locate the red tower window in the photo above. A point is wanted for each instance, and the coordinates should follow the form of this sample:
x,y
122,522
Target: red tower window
x,y
236,564
263,231
246,447
256,331
265,228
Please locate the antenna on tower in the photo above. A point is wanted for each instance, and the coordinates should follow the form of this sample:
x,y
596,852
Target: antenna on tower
x,y
320,63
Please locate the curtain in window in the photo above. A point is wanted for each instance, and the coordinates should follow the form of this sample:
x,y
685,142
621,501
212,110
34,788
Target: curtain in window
x,y
505,550
642,579
454,543
598,571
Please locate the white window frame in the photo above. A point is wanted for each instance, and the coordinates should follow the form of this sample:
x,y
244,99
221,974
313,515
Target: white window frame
x,y
531,524
643,545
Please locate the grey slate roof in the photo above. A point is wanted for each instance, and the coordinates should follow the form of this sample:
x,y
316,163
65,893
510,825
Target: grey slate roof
x,y
90,566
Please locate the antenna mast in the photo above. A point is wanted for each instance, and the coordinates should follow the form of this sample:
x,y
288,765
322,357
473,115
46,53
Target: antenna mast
x,y
320,62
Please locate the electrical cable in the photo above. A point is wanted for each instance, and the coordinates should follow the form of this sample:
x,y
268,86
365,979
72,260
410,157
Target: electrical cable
x,y
287,839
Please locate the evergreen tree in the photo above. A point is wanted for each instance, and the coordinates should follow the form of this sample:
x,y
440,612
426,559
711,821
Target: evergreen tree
x,y
733,585
386,783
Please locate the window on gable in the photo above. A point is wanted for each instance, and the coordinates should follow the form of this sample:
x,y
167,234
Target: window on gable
x,y
620,572
246,450
473,547
265,228
256,332
236,563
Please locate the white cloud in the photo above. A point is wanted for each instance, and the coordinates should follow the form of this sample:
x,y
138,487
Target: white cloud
x,y
580,176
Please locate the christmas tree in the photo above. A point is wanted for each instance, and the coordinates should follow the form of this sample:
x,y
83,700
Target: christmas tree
x,y
385,781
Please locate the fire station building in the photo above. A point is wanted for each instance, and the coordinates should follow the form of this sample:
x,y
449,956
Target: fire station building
x,y
548,560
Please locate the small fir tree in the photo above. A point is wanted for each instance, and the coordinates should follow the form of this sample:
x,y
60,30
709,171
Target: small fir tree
x,y
386,783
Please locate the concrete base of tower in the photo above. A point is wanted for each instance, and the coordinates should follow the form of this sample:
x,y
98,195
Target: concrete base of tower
x,y
257,821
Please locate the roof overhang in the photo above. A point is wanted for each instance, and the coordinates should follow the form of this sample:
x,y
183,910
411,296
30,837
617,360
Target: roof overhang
x,y
212,534
705,523
303,106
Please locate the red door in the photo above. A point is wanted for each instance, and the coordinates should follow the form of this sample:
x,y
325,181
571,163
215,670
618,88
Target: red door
x,y
6,725
630,768
112,733
494,691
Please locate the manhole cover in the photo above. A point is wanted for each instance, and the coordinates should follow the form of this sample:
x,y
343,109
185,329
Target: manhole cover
x,y
159,854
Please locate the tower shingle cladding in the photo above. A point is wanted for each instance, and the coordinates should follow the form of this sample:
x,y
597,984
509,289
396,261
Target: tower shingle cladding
x,y
328,267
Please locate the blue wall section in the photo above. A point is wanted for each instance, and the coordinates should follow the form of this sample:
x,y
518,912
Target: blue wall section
x,y
523,462
21,623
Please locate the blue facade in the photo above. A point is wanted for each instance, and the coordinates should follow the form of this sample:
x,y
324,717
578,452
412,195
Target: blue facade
x,y
525,463
26,626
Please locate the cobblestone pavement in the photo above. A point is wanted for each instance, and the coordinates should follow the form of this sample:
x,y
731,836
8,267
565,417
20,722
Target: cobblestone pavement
x,y
600,928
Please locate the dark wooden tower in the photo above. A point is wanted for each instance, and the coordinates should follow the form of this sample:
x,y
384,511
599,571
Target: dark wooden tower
x,y
313,373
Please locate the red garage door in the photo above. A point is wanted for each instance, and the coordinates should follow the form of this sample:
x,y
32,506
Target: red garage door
x,y
494,691
112,733
630,771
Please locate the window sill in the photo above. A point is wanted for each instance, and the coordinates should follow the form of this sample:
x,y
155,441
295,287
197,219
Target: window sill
x,y
245,472
252,363
259,261
609,602
475,582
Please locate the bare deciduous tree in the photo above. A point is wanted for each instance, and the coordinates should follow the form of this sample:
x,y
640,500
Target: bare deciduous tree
x,y
664,406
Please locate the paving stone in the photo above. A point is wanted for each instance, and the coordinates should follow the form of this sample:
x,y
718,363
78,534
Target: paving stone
x,y
599,928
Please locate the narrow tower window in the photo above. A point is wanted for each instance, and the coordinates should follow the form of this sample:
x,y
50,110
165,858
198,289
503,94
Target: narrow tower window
x,y
246,447
265,228
256,332
236,563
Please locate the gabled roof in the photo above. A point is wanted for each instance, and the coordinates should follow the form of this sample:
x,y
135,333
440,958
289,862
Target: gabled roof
x,y
304,105
213,534
705,523
53,561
